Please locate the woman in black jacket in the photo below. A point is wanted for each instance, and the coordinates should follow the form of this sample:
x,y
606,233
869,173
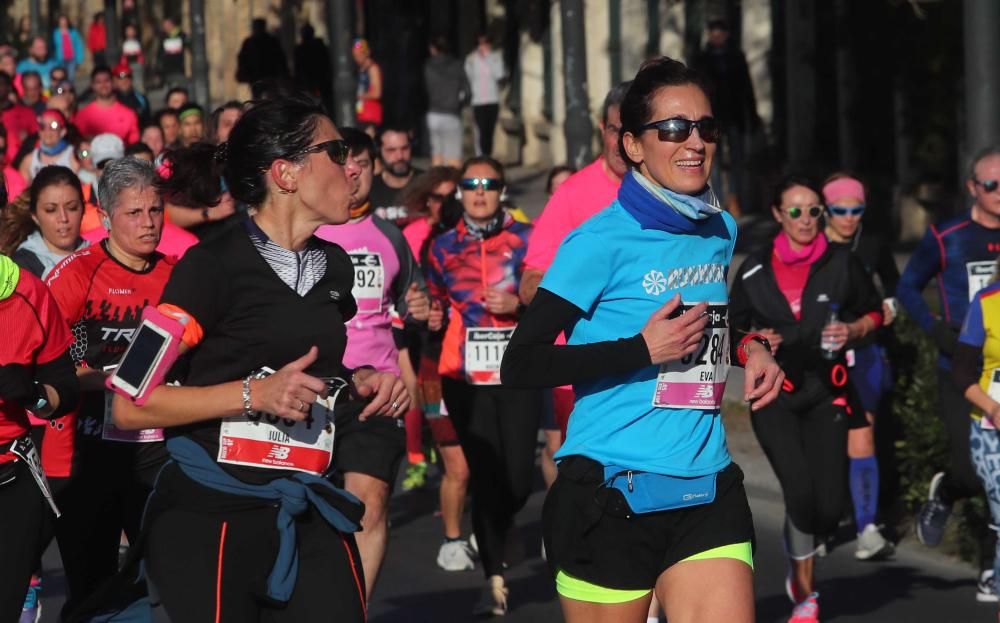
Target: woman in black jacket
x,y
787,292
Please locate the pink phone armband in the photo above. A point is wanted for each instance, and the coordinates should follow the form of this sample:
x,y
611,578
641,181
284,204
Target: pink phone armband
x,y
148,359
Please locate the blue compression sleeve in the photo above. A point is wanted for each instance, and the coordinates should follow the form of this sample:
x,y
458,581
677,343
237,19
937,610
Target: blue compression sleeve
x,y
864,490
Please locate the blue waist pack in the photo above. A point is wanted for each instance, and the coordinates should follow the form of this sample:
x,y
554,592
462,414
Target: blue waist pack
x,y
645,492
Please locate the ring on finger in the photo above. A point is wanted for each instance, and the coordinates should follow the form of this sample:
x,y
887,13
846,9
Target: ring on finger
x,y
395,405
302,406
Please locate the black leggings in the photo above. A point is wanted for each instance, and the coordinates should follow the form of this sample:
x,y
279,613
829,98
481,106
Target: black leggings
x,y
105,496
498,430
486,122
213,567
960,480
25,530
804,436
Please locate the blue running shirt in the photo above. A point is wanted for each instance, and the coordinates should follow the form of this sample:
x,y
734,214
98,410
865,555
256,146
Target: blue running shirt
x,y
619,274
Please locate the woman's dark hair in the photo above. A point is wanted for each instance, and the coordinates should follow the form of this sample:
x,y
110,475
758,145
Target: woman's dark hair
x,y
358,141
269,129
791,181
139,148
637,107
485,160
163,112
556,171
451,214
187,183
15,220
414,197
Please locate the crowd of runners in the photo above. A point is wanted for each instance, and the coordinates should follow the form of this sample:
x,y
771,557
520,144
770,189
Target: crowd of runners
x,y
227,338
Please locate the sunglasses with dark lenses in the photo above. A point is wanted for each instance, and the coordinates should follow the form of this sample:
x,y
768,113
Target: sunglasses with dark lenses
x,y
83,153
988,185
487,183
337,150
840,211
677,130
795,212
437,197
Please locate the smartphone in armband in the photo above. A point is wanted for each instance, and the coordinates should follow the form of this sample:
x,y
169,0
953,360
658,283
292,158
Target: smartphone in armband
x,y
153,351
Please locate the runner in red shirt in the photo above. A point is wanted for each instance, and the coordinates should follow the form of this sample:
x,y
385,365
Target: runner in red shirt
x,y
106,113
17,119
102,291
37,376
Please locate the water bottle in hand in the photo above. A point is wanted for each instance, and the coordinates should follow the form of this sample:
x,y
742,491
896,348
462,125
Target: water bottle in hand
x,y
827,346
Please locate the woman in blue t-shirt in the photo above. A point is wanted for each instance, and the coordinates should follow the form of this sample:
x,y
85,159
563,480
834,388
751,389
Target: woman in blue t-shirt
x,y
647,497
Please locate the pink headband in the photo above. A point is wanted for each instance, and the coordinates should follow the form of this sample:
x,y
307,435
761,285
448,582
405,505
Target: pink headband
x,y
843,188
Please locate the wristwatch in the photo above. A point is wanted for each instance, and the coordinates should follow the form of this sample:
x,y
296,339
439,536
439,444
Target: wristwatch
x,y
41,398
741,351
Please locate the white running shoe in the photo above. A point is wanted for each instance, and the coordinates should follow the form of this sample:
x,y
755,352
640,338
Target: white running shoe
x,y
872,545
494,599
455,556
986,591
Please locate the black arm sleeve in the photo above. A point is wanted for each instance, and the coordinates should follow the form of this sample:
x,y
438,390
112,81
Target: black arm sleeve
x,y
533,360
966,366
60,375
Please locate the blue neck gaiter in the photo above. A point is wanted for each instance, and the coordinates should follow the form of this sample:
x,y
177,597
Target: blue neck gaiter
x,y
656,207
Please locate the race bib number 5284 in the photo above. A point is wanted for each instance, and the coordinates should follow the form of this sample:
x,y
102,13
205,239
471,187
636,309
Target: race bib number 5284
x,y
698,380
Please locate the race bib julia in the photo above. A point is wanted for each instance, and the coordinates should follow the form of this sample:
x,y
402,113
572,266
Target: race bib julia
x,y
369,281
698,380
484,348
270,442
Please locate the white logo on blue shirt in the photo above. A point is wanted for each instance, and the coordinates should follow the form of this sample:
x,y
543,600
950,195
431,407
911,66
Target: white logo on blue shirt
x,y
654,283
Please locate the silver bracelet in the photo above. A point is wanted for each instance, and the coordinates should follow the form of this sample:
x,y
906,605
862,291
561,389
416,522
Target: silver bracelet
x,y
247,403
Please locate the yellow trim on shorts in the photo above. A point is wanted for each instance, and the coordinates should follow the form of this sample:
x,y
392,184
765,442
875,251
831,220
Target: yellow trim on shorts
x,y
582,590
737,551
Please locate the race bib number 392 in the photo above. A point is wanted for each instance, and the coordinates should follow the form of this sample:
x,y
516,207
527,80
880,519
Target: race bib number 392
x,y
698,380
369,281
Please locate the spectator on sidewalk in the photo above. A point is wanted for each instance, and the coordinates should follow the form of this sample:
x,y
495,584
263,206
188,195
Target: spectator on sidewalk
x,y
261,56
97,40
128,95
176,98
133,56
38,60
368,107
312,66
106,114
22,39
484,69
67,45
734,107
447,91
170,59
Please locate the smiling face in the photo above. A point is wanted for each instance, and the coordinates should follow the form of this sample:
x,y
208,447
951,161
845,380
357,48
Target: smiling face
x,y
802,230
136,220
50,130
481,205
681,167
58,215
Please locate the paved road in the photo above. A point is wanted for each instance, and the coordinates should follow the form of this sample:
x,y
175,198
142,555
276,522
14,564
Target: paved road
x,y
916,586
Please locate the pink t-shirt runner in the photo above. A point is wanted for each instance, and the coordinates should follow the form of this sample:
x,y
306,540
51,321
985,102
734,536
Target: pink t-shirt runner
x,y
117,119
584,194
383,270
